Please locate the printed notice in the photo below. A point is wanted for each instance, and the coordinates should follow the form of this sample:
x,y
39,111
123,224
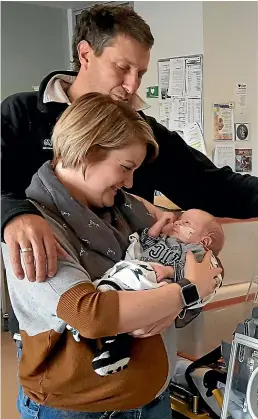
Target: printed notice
x,y
164,113
176,77
224,155
194,110
223,122
194,138
163,70
177,120
193,76
241,94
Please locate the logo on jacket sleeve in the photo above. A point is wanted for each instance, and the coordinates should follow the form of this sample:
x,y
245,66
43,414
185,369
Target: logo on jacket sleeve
x,y
47,144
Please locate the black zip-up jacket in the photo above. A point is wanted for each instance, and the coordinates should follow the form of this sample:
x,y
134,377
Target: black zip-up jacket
x,y
183,174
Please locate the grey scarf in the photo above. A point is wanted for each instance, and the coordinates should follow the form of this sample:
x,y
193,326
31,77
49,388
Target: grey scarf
x,y
104,231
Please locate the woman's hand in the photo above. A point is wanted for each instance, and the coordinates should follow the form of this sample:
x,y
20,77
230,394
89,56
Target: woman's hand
x,y
153,329
201,274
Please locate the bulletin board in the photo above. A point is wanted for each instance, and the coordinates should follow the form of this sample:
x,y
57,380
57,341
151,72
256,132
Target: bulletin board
x,y
181,103
181,91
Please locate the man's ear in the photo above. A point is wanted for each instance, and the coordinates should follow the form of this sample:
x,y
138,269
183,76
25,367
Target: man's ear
x,y
206,241
84,50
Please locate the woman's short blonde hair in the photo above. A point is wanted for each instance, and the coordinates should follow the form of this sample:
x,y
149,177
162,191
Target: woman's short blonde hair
x,y
95,124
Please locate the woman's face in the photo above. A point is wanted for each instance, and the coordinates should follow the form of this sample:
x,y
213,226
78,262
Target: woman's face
x,y
103,179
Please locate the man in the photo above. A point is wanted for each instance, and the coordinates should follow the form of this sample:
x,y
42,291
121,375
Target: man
x,y
111,54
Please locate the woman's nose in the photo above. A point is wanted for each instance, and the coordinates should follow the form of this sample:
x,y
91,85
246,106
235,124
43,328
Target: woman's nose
x,y
128,182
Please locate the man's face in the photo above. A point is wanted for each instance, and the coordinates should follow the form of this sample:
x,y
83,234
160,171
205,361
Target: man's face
x,y
119,69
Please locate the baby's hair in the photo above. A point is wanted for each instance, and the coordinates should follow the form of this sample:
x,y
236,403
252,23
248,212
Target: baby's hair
x,y
216,233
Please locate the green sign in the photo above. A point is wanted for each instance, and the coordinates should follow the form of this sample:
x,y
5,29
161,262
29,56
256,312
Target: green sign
x,y
152,91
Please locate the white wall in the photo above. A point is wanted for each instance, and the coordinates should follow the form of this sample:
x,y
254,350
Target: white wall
x,y
177,29
34,42
226,33
230,57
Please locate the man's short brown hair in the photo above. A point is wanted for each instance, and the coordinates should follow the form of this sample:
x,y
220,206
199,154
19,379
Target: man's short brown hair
x,y
102,23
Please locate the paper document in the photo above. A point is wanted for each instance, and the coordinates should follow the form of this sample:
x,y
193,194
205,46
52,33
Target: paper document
x,y
164,112
223,122
176,77
194,110
163,70
241,94
177,120
180,84
194,138
193,76
224,155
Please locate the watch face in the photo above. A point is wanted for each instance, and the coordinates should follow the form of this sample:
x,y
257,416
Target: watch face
x,y
191,295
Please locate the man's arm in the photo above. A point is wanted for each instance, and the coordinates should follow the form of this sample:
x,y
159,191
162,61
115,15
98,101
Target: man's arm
x,y
22,225
16,160
191,180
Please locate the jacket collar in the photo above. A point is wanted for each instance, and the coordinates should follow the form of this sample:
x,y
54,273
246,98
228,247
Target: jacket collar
x,y
54,87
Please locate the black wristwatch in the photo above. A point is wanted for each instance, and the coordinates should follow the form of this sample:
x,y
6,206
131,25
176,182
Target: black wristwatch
x,y
189,292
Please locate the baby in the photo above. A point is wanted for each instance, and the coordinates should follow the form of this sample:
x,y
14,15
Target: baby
x,y
196,230
148,262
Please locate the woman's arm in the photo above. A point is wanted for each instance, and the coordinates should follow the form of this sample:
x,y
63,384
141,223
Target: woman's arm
x,y
98,314
141,308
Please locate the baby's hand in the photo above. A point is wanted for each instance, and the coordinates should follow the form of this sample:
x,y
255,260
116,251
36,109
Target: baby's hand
x,y
162,272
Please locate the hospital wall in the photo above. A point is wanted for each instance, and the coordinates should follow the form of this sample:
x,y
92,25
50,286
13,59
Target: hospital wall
x,y
226,33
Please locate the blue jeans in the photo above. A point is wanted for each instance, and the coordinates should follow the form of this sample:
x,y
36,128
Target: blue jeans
x,y
158,409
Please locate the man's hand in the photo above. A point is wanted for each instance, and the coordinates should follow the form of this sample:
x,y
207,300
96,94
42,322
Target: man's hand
x,y
32,231
164,225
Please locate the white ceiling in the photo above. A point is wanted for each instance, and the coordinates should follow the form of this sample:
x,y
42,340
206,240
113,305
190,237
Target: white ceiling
x,y
63,4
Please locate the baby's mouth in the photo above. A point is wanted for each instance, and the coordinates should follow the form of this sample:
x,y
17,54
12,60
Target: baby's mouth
x,y
186,231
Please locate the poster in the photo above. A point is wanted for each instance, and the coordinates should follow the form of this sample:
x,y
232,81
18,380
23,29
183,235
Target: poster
x,y
223,122
163,70
176,77
243,159
242,132
224,155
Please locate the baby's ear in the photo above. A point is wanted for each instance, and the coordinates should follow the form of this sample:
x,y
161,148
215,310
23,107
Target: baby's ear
x,y
206,241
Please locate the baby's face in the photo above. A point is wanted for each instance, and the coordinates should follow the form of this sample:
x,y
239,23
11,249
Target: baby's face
x,y
191,227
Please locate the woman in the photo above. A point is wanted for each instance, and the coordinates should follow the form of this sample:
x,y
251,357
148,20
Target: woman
x,y
98,144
